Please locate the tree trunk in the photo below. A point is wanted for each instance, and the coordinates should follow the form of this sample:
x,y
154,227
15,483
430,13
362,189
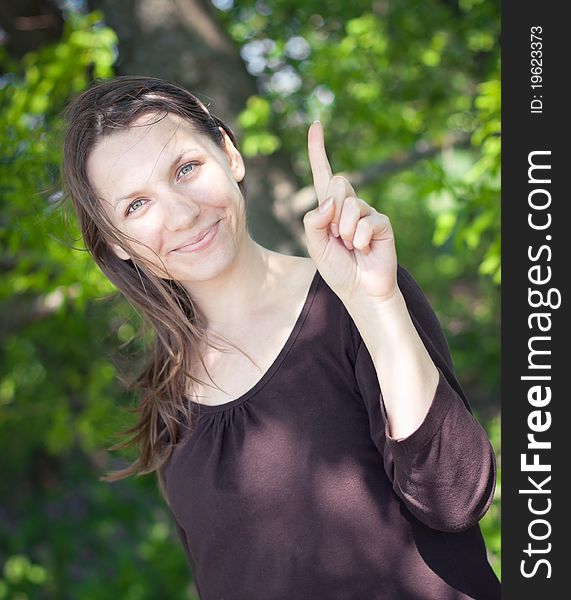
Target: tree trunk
x,y
28,25
182,41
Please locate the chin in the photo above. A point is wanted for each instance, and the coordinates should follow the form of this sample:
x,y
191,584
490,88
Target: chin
x,y
207,270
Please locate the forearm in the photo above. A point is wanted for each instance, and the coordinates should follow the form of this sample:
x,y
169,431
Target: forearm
x,y
435,452
407,375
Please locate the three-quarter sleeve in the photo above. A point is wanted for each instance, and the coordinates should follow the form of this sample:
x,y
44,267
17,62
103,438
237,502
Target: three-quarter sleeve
x,y
445,470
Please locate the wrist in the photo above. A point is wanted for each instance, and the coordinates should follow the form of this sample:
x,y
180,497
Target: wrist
x,y
366,308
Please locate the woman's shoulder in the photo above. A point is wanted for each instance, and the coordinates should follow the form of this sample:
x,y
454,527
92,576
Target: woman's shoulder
x,y
295,278
296,270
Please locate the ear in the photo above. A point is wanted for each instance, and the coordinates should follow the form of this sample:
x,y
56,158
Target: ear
x,y
234,157
119,252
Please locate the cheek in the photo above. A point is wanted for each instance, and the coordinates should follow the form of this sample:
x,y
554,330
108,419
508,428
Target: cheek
x,y
215,187
215,194
145,233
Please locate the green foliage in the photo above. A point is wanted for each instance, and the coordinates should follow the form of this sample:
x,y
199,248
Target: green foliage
x,y
41,279
388,80
383,83
31,98
63,532
254,119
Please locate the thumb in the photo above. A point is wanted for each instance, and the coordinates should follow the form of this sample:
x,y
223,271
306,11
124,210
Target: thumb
x,y
316,223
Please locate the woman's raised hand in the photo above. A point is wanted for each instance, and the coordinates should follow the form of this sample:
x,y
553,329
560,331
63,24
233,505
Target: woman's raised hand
x,y
350,242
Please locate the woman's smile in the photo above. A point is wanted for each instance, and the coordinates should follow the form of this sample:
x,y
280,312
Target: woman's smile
x,y
199,242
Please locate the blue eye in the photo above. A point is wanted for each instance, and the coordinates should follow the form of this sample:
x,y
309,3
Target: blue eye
x,y
185,170
135,205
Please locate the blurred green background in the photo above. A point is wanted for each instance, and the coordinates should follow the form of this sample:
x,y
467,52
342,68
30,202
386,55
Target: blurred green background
x,y
409,95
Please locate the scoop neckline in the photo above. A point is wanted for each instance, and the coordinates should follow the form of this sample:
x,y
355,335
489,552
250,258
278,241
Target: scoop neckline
x,y
272,369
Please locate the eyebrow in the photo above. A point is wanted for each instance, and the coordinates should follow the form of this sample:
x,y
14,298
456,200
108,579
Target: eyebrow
x,y
179,157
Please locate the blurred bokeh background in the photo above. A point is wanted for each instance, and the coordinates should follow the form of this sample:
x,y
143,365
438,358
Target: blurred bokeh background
x,y
409,95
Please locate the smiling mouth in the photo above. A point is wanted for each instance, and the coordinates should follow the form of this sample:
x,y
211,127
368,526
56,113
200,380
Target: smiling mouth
x,y
200,241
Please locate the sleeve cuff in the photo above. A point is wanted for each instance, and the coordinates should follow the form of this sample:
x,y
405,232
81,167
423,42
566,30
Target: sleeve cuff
x,y
444,398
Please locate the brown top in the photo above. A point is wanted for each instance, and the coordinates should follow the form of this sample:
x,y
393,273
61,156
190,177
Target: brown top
x,y
295,490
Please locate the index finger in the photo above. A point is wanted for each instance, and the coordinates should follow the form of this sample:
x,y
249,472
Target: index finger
x,y
320,167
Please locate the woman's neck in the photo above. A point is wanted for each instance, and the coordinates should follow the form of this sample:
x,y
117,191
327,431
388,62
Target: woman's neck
x,y
227,300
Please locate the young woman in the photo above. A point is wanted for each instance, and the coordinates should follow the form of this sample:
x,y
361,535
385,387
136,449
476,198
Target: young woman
x,y
289,474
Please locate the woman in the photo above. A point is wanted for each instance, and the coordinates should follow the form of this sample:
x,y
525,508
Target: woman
x,y
287,472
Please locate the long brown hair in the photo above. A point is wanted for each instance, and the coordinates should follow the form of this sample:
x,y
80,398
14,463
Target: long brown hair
x,y
165,414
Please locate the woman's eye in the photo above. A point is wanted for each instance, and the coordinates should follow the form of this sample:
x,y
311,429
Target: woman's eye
x,y
185,170
135,205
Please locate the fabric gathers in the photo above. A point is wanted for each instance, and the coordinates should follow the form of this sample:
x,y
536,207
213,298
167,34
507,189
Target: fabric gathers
x,y
295,490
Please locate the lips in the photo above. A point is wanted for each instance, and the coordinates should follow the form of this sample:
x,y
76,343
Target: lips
x,y
194,243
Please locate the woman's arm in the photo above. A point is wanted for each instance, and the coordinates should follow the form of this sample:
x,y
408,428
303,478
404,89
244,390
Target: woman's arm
x,y
406,373
436,454
444,470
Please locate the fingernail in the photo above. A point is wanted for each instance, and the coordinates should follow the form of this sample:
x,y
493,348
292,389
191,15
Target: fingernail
x,y
334,229
316,121
326,205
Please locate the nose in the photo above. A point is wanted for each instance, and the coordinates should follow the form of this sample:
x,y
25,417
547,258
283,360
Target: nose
x,y
180,211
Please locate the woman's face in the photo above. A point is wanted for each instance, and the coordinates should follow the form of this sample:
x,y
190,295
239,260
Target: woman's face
x,y
175,193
